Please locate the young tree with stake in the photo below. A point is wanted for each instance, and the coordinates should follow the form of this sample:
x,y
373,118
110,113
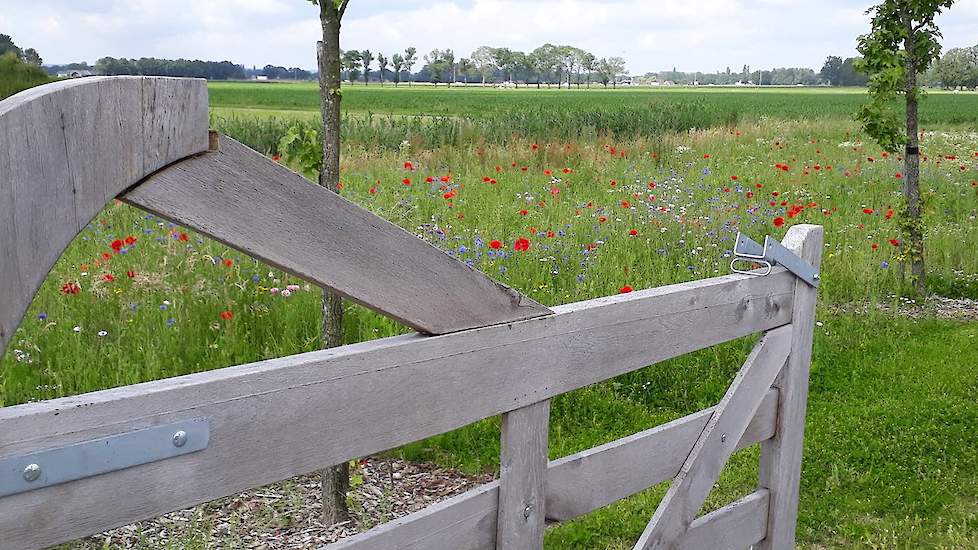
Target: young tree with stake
x,y
900,47
336,480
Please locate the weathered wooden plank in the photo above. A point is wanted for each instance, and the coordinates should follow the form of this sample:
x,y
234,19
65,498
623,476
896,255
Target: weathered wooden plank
x,y
463,522
68,148
592,479
278,418
718,441
522,477
258,206
780,469
470,518
734,527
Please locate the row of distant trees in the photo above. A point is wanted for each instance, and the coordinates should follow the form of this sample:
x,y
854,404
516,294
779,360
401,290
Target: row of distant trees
x,y
549,64
151,66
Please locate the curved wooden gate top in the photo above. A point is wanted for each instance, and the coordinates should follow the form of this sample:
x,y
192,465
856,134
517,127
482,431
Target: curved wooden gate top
x,y
67,149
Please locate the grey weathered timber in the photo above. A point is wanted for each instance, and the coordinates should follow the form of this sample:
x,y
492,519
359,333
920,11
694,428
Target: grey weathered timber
x,y
468,521
719,439
68,148
780,468
736,526
278,418
583,482
254,204
522,477
463,522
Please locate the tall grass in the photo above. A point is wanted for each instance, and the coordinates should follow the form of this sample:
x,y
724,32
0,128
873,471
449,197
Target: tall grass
x,y
393,132
16,76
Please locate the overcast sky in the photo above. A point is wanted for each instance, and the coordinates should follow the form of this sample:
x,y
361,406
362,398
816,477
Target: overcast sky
x,y
651,35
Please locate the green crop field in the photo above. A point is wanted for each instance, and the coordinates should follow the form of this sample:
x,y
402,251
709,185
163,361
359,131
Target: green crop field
x,y
613,190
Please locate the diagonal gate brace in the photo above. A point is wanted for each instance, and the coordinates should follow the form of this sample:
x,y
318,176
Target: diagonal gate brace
x,y
717,442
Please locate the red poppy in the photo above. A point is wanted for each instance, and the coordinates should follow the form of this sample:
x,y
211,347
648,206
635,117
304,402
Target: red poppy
x,y
106,256
523,212
706,156
889,214
895,242
227,315
534,147
867,210
734,178
130,240
429,179
372,190
408,166
277,158
522,244
445,179
70,288
602,219
184,237
625,204
228,262
898,175
131,274
548,171
406,181
633,232
625,289
524,168
117,245
874,246
779,221
495,244
108,277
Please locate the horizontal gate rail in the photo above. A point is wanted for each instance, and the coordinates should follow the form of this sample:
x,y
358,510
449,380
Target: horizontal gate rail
x,y
612,471
283,417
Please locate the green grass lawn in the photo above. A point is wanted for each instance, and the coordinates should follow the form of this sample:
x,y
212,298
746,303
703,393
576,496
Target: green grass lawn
x,y
890,459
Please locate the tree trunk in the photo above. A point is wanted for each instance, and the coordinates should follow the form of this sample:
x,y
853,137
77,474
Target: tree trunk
x,y
911,176
336,480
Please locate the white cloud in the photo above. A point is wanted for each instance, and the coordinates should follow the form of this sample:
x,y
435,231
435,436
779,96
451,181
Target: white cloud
x,y
652,35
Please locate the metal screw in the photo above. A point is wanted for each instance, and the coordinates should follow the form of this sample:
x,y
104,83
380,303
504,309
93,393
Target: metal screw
x,y
723,438
32,472
527,511
180,438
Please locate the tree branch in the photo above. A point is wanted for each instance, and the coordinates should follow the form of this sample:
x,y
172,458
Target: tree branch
x,y
342,9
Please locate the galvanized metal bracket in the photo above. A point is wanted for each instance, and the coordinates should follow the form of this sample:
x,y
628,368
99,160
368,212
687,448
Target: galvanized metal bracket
x,y
769,254
19,474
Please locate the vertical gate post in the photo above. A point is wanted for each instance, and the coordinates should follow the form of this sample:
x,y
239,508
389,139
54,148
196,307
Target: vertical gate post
x,y
522,475
780,468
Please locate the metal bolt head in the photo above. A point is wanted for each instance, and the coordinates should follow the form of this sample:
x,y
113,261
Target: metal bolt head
x,y
816,276
527,511
32,472
723,438
180,438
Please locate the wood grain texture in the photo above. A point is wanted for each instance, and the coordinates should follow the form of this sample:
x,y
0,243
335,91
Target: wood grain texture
x,y
68,148
719,439
463,522
583,482
736,526
278,418
468,521
258,206
522,477
780,469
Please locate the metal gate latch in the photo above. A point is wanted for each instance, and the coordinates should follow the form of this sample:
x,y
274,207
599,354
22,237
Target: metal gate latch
x,y
770,254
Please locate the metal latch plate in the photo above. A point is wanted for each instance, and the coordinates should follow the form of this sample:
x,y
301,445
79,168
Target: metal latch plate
x,y
32,471
773,253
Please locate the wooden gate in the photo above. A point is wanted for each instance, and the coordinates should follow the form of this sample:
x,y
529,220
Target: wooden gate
x,y
482,349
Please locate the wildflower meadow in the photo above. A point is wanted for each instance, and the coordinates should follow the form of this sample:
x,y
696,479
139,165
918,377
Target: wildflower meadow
x,y
613,192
